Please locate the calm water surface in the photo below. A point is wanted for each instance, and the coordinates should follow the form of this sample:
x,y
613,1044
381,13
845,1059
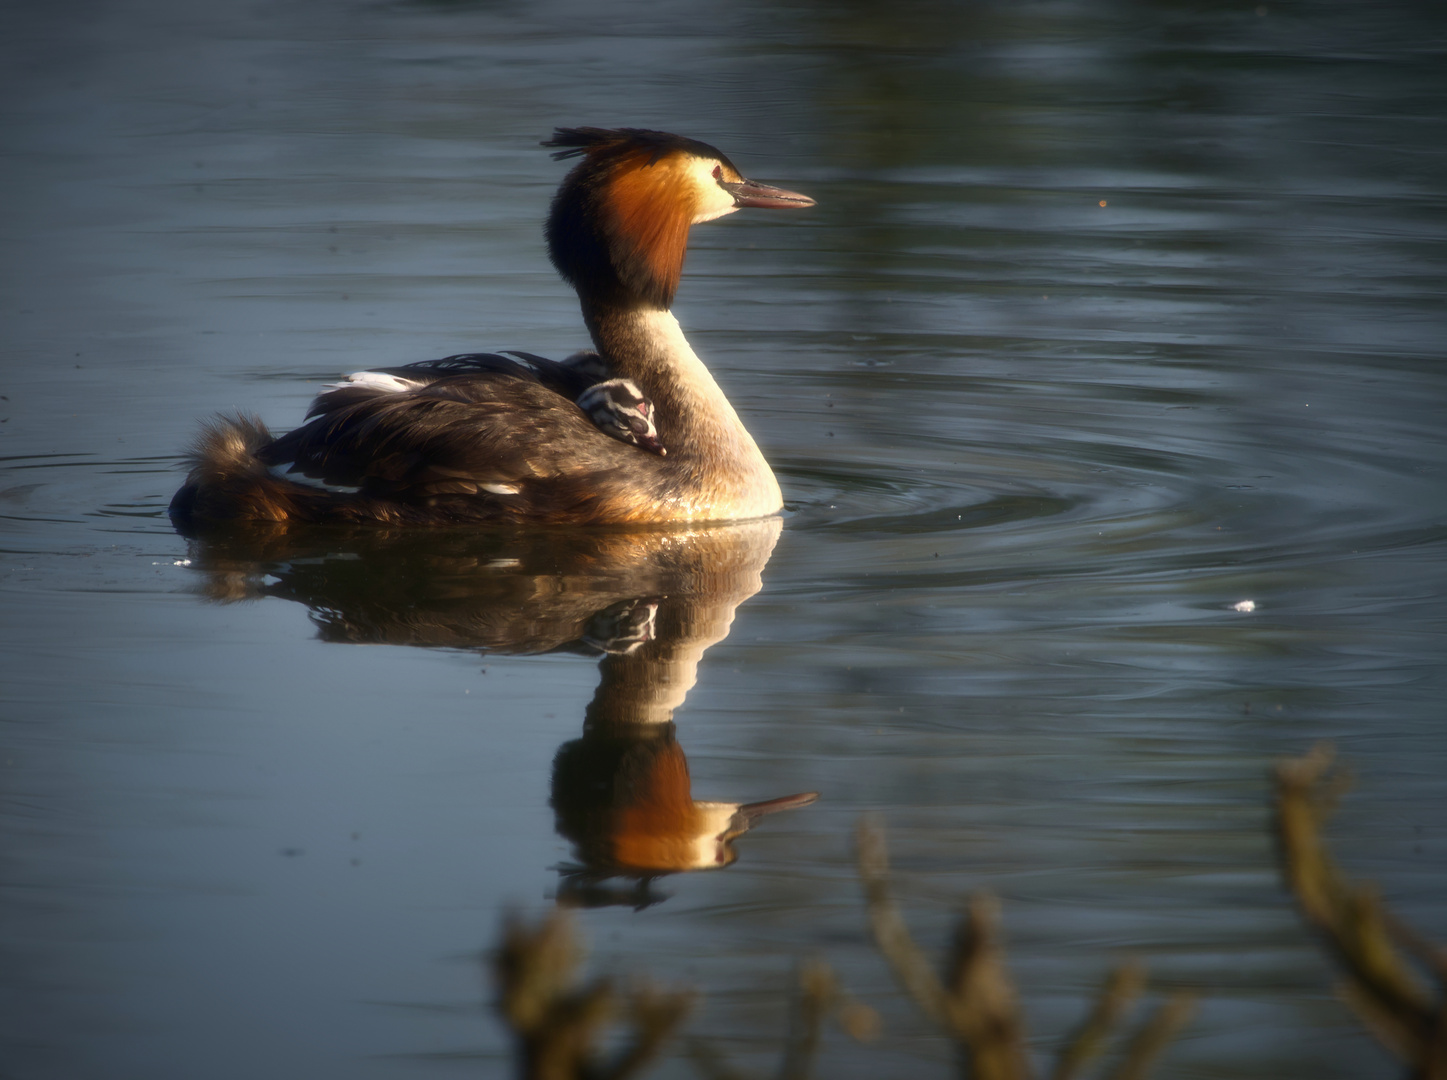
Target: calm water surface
x,y
1109,318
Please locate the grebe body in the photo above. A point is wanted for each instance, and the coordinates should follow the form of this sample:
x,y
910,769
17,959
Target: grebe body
x,y
638,432
616,407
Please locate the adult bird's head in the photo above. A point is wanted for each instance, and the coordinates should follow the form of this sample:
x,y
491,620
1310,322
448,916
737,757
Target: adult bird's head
x,y
618,228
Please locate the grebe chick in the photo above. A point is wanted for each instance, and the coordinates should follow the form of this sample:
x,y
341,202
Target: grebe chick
x,y
481,438
618,409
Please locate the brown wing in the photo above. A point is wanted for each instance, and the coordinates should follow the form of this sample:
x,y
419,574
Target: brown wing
x,y
566,378
493,438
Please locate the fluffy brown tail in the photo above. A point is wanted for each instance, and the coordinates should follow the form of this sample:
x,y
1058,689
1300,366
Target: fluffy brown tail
x,y
229,482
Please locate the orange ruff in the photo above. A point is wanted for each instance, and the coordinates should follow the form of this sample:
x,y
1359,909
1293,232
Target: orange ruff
x,y
650,208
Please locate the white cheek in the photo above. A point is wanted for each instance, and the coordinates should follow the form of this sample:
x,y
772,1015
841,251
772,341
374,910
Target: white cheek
x,y
714,201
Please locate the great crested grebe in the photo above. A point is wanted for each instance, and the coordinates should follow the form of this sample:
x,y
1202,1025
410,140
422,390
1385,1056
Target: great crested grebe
x,y
483,438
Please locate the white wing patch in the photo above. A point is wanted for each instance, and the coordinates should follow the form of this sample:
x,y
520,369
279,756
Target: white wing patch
x,y
281,473
375,380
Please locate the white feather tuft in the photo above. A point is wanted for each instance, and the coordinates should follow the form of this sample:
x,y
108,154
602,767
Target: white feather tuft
x,y
375,380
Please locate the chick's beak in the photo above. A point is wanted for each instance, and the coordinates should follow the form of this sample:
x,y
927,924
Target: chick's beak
x,y
748,193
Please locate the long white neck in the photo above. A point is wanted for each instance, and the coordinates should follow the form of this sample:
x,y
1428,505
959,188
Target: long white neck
x,y
712,459
707,573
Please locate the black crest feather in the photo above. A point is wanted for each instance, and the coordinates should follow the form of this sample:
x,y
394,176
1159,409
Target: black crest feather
x,y
585,140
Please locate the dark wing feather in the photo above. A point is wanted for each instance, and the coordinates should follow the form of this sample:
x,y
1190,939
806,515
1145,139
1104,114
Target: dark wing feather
x,y
467,435
553,374
424,373
558,377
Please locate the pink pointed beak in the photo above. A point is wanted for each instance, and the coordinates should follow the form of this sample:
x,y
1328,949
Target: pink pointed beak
x,y
748,193
751,812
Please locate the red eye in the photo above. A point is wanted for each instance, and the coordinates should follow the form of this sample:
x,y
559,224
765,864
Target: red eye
x,y
718,172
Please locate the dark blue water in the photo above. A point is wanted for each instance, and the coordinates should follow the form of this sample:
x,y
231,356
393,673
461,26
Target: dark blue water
x,y
1110,318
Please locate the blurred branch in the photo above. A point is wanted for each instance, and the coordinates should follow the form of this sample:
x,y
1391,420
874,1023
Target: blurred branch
x,y
1381,987
1155,1035
983,1008
817,996
890,932
1088,1041
977,1005
557,1023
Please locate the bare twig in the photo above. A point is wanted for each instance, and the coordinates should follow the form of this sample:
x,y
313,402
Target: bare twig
x,y
1088,1041
984,1009
979,1008
891,934
1381,987
557,1023
1155,1035
818,996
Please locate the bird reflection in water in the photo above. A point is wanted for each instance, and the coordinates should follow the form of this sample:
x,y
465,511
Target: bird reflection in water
x,y
622,795
648,604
